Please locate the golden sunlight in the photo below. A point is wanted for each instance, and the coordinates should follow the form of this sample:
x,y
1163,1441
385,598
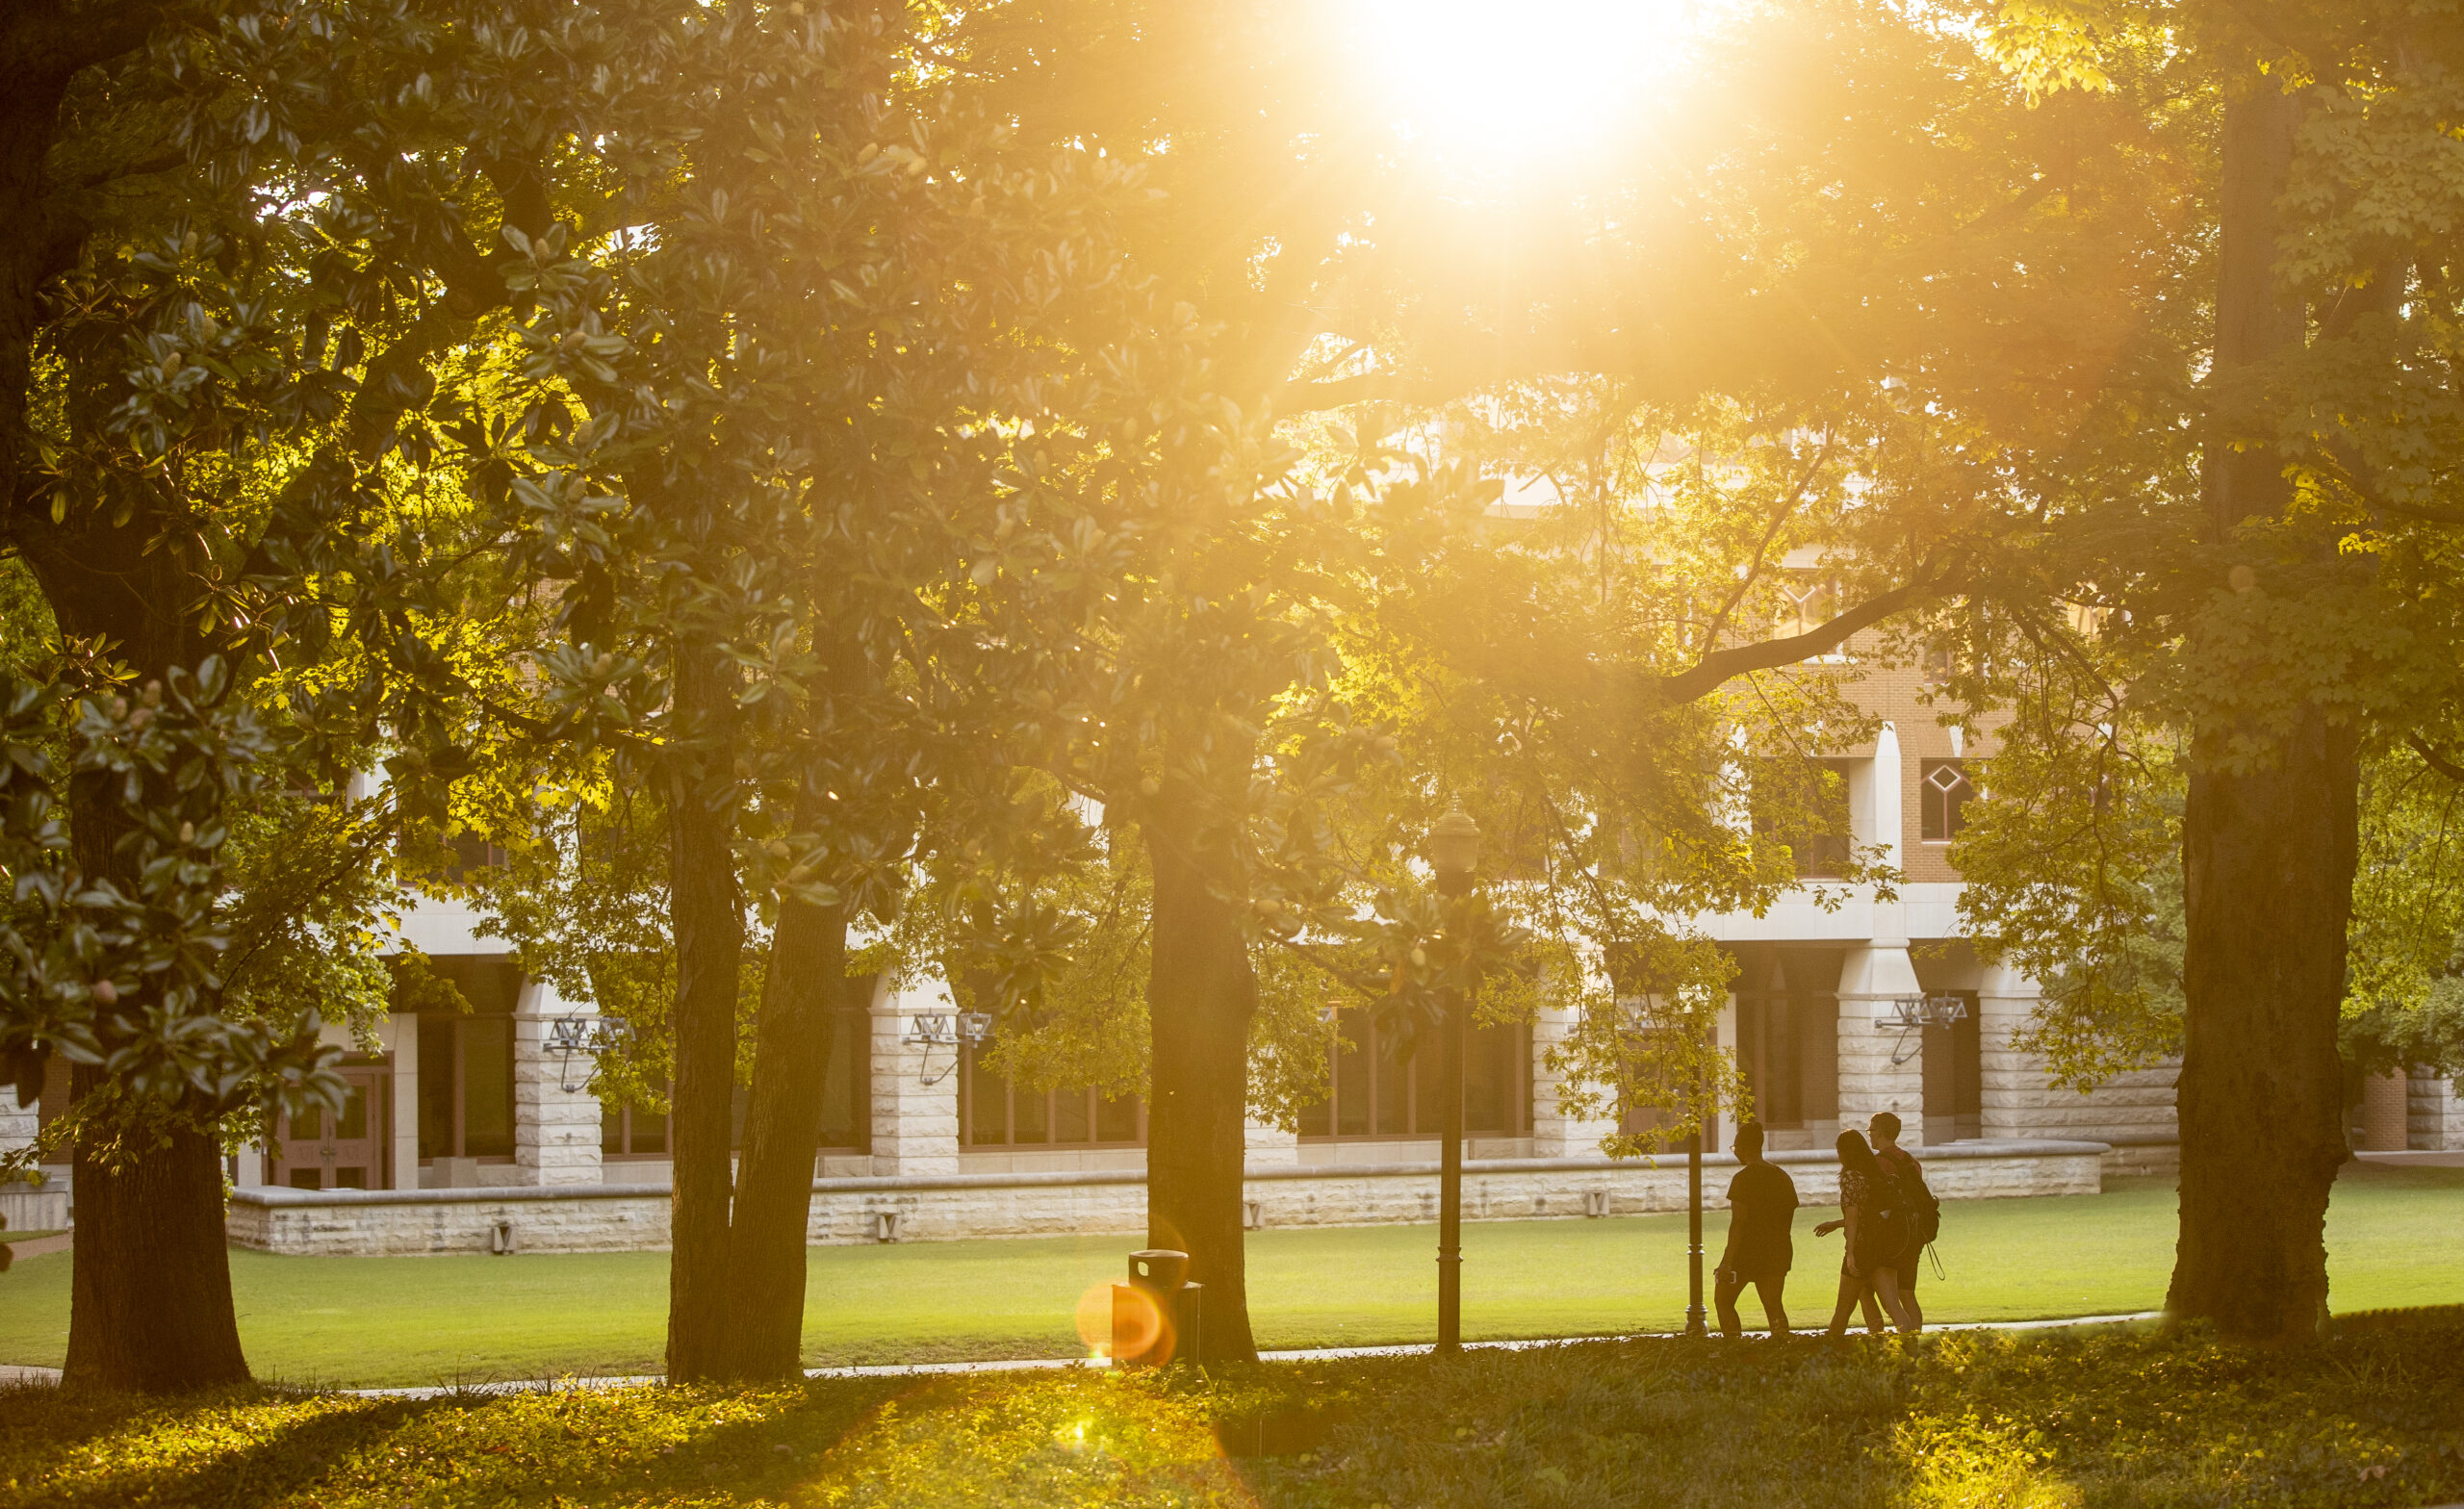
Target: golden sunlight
x,y
1486,85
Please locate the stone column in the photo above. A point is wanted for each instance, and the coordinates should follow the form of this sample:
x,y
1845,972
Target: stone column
x,y
18,1124
403,1038
915,1125
1557,1133
1877,973
556,1130
1874,976
2435,1120
2012,1082
1722,1129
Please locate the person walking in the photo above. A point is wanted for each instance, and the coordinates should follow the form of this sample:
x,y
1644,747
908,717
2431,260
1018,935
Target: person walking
x,y
1877,1237
1908,1186
1762,1207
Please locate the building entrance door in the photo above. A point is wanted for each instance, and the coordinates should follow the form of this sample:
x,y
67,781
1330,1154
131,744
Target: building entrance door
x,y
321,1150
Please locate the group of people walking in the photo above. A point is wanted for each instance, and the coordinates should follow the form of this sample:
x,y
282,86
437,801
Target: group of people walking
x,y
1889,1216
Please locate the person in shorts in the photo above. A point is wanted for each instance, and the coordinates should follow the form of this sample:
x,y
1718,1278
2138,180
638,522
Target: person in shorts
x,y
1762,1208
1900,1164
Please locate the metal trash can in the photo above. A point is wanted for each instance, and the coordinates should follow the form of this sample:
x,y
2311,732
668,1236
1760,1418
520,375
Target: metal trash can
x,y
1157,1315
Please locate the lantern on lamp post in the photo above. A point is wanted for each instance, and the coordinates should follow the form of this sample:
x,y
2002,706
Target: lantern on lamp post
x,y
1455,854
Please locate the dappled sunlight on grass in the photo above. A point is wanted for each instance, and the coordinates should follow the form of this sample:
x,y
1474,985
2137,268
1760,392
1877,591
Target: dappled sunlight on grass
x,y
1074,1437
2120,1420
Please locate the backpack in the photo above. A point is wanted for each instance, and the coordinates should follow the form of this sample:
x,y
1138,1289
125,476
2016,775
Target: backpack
x,y
1924,1211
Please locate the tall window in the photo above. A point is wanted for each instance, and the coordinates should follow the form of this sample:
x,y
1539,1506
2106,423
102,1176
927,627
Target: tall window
x,y
1804,803
1371,1094
466,1087
1954,1072
637,1132
466,1060
995,1112
1943,792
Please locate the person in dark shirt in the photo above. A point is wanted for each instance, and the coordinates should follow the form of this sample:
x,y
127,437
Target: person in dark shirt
x,y
1903,1168
1762,1207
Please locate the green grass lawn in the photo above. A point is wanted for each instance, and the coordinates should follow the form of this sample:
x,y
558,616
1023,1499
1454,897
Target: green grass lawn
x,y
2391,1240
2120,1418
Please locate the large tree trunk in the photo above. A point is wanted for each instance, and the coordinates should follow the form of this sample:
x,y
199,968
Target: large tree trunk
x,y
150,1290
150,1307
2268,865
1201,995
800,997
2267,862
708,917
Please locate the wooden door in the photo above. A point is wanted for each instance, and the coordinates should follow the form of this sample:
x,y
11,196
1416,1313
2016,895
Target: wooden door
x,y
320,1149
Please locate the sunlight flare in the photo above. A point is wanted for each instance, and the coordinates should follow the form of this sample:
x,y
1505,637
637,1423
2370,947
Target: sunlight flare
x,y
1487,84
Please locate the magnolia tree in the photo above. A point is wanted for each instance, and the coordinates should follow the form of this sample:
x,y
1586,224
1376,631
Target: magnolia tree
x,y
834,455
245,244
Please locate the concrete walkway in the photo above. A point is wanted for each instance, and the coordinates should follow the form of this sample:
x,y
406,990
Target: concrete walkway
x,y
1300,1355
18,1375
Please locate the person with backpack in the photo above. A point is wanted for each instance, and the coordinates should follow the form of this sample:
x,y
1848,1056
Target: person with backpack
x,y
1878,1236
1924,1212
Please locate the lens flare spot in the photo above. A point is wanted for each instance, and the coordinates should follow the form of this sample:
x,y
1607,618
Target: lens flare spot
x,y
1116,1323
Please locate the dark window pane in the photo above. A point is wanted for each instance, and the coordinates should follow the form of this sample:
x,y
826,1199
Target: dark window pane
x,y
1426,1076
1352,1080
1968,1056
649,1132
1070,1119
987,1106
436,1086
1028,1122
1392,1088
487,1087
1489,1071
351,1178
1116,1120
843,1097
1944,792
612,1129
307,1178
354,1117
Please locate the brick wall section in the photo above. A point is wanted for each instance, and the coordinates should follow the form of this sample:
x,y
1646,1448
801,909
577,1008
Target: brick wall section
x,y
846,1212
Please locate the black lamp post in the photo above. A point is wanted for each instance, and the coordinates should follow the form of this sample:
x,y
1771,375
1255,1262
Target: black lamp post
x,y
1454,853
1696,1323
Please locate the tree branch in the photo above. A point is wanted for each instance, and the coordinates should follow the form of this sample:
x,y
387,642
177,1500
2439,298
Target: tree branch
x,y
1762,548
1707,674
2355,473
2434,759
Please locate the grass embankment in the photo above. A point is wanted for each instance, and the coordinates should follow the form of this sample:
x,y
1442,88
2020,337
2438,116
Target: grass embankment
x,y
2035,1420
367,1321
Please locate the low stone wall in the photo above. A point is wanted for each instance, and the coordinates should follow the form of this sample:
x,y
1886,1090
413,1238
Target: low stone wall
x,y
34,1210
2146,1154
944,1208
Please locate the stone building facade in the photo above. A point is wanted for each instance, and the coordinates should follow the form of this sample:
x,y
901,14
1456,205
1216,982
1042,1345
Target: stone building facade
x,y
482,1131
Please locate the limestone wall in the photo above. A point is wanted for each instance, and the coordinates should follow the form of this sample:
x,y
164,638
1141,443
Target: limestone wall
x,y
617,1217
2434,1114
